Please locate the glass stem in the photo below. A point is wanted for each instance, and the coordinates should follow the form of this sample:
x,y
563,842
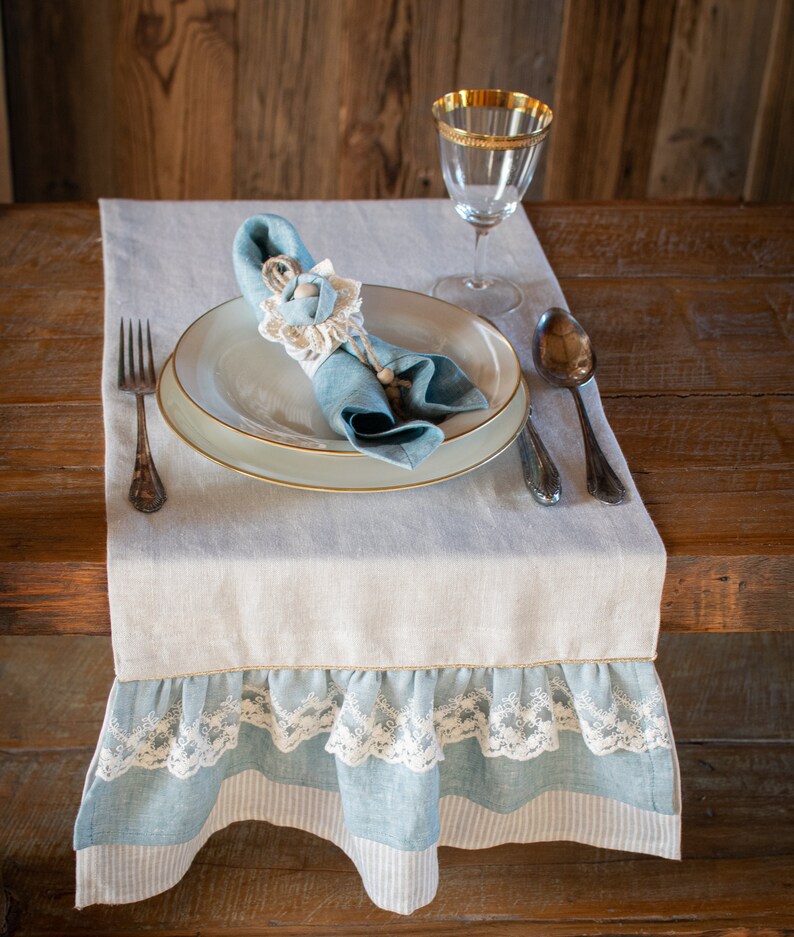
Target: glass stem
x,y
478,280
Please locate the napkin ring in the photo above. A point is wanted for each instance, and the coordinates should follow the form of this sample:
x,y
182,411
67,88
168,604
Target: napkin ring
x,y
311,343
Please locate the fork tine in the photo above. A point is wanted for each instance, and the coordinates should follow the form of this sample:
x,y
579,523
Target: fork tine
x,y
131,352
151,378
140,374
121,377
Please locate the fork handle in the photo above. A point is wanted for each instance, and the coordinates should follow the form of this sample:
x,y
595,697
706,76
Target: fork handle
x,y
540,472
147,492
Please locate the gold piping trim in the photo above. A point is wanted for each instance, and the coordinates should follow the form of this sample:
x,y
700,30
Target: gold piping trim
x,y
456,100
542,663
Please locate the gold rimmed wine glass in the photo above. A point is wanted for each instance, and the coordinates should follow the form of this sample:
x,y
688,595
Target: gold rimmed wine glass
x,y
489,143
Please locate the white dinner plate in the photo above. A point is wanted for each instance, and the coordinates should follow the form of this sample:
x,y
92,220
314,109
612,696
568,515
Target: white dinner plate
x,y
253,387
331,471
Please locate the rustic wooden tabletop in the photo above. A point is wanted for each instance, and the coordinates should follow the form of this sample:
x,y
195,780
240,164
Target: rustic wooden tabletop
x,y
689,307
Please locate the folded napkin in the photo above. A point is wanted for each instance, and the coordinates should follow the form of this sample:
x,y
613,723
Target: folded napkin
x,y
385,399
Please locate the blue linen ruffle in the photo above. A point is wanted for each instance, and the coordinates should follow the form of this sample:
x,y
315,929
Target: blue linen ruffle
x,y
348,392
498,737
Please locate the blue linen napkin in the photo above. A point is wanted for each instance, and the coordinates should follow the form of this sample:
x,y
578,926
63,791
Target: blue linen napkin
x,y
348,391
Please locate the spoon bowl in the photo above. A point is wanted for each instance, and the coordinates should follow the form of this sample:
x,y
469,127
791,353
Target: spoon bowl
x,y
564,357
562,351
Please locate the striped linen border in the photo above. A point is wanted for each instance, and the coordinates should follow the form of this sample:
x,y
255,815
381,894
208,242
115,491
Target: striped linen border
x,y
394,879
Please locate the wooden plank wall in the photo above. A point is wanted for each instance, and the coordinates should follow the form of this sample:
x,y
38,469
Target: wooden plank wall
x,y
330,98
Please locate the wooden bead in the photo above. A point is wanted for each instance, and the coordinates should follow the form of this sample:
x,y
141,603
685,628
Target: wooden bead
x,y
386,376
306,289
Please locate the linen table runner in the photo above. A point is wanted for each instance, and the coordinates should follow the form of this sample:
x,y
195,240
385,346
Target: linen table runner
x,y
467,572
301,657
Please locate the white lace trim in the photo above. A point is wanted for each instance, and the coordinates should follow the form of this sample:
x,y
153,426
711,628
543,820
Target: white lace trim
x,y
397,735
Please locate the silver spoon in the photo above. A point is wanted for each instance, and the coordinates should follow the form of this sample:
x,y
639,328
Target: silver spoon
x,y
564,357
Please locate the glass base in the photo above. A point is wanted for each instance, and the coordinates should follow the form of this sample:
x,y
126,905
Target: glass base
x,y
493,297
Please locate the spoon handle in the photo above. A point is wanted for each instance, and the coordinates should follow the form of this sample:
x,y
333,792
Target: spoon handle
x,y
540,473
602,482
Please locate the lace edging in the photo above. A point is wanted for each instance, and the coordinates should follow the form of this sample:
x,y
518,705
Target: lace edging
x,y
395,734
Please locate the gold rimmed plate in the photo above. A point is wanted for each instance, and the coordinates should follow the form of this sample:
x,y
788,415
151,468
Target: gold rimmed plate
x,y
330,471
253,388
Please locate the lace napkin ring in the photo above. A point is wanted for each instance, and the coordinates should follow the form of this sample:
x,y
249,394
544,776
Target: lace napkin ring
x,y
313,342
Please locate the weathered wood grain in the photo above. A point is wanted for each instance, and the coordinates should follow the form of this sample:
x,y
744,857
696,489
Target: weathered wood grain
x,y
55,438
53,691
694,432
68,315
736,869
494,928
59,55
728,686
174,73
688,336
608,98
711,98
687,240
72,375
330,98
400,56
48,248
770,174
723,594
387,143
642,113
55,598
288,98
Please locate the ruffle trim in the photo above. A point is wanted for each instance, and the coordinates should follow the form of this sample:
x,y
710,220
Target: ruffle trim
x,y
518,725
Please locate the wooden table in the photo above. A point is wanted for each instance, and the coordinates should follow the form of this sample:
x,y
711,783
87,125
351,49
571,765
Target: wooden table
x,y
690,309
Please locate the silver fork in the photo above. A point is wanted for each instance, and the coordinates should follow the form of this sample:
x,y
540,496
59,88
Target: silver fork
x,y
541,475
147,492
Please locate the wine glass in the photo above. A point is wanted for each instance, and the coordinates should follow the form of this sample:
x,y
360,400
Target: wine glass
x,y
489,143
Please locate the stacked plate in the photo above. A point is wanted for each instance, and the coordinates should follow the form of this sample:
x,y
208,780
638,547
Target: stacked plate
x,y
244,403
